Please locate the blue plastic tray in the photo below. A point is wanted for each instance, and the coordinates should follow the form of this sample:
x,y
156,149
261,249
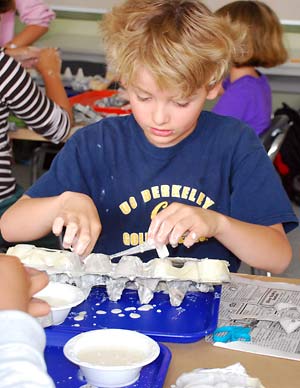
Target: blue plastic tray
x,y
67,375
195,318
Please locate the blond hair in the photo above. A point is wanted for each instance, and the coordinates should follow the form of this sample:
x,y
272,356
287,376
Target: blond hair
x,y
265,36
181,42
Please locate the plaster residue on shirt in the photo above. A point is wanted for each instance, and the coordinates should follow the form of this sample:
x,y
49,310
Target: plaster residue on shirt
x,y
99,145
102,194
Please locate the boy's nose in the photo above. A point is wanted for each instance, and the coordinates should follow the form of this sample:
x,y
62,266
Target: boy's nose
x,y
160,115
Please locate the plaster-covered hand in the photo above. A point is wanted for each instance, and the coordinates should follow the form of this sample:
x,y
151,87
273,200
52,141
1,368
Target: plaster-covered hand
x,y
49,62
18,285
79,216
28,56
178,220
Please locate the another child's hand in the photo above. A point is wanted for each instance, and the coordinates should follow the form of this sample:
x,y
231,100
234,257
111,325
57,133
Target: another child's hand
x,y
28,56
79,215
49,62
180,220
18,285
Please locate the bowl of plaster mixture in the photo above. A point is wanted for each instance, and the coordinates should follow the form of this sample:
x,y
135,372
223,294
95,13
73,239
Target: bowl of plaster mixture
x,y
111,358
61,298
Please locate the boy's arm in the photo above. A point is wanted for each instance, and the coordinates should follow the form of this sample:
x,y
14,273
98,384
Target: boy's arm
x,y
38,216
262,247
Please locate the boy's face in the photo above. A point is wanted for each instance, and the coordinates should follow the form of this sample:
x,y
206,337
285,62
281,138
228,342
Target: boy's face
x,y
165,118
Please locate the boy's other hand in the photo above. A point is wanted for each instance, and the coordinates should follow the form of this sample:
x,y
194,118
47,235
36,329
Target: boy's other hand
x,y
183,221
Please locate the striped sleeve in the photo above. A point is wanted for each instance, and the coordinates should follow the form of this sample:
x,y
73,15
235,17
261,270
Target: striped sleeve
x,y
27,101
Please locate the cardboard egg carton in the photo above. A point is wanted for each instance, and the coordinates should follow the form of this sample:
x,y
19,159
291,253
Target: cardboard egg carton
x,y
175,276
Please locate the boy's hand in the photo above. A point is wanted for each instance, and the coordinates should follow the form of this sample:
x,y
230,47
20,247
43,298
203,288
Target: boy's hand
x,y
180,220
18,285
79,215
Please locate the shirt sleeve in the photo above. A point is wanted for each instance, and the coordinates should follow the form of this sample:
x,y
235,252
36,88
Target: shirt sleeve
x,y
28,102
34,12
257,195
22,345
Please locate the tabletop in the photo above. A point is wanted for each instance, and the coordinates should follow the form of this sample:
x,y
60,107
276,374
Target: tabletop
x,y
273,372
27,134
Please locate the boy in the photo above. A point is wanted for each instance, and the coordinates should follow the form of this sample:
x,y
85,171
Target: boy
x,y
204,180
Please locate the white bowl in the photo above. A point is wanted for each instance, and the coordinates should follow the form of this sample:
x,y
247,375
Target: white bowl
x,y
111,357
61,298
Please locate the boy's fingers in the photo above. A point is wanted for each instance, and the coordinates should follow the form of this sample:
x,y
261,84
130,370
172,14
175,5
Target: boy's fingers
x,y
70,236
58,225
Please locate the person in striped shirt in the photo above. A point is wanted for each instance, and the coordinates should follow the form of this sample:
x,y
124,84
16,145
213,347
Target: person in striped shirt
x,y
47,113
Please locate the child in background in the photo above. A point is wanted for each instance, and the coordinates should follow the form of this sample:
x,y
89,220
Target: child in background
x,y
23,339
246,92
49,114
34,13
203,182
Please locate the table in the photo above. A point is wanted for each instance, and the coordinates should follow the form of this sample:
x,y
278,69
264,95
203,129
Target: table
x,y
39,153
273,372
27,134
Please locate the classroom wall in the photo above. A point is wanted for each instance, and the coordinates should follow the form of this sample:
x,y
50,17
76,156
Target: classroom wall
x,y
81,37
286,10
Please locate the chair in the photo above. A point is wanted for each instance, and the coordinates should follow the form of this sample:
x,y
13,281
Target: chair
x,y
39,157
272,140
274,136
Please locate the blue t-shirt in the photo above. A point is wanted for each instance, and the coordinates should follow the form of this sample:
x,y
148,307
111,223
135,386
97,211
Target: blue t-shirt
x,y
222,166
248,99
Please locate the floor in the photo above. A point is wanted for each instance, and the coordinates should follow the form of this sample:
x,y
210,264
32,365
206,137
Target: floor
x,y
22,172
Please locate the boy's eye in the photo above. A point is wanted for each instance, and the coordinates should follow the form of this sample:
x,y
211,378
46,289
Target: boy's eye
x,y
141,98
182,104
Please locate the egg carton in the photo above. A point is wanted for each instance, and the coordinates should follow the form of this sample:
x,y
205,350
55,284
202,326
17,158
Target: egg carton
x,y
173,275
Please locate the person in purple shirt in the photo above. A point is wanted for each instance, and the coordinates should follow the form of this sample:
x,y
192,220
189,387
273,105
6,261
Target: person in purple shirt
x,y
246,93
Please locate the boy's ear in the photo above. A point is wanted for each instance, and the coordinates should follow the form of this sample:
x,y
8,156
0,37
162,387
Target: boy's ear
x,y
214,92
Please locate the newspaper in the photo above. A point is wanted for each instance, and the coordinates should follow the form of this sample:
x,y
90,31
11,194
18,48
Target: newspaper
x,y
270,309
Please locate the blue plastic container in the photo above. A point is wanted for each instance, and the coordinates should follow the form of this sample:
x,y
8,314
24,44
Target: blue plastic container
x,y
195,318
